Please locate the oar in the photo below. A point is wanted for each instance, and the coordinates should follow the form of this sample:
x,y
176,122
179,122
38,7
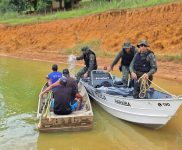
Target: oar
x,y
44,108
47,114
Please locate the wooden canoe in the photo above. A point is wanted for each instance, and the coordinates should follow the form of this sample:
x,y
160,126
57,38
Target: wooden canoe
x,y
76,121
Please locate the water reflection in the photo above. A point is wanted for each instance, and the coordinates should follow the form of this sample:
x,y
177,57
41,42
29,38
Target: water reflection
x,y
2,105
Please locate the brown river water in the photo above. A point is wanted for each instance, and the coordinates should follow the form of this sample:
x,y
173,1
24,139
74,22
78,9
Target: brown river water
x,y
20,84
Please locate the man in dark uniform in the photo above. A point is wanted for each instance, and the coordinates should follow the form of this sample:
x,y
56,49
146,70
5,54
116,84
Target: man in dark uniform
x,y
143,64
126,55
89,58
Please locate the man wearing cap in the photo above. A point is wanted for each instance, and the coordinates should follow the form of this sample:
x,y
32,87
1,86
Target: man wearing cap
x,y
89,58
54,75
71,82
76,97
62,98
126,55
143,64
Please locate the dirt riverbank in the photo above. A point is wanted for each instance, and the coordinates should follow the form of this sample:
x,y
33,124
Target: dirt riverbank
x,y
161,25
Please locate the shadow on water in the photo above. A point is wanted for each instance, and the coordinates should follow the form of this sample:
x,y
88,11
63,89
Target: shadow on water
x,y
20,83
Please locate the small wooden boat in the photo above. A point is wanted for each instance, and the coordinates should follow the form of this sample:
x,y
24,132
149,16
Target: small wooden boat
x,y
76,121
154,111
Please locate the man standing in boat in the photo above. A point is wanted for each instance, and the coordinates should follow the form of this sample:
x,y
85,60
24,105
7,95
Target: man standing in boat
x,y
89,58
126,55
143,65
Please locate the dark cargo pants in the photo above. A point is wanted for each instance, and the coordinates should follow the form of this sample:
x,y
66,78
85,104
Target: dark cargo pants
x,y
81,72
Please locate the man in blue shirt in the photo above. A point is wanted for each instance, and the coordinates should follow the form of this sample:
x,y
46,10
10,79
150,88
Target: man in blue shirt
x,y
55,75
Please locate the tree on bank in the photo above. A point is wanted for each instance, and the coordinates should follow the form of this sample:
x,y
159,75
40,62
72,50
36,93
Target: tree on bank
x,y
23,5
29,6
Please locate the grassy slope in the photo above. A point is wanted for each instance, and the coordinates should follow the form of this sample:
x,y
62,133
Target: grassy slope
x,y
85,8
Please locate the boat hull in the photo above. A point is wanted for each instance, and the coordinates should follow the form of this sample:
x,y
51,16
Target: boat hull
x,y
153,113
76,121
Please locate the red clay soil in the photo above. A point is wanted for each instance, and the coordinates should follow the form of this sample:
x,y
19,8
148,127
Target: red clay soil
x,y
161,25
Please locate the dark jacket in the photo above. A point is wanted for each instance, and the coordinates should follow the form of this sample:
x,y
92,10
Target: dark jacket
x,y
72,83
89,59
125,57
144,63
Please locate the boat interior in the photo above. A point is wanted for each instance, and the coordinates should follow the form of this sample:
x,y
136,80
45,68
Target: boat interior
x,y
85,105
104,82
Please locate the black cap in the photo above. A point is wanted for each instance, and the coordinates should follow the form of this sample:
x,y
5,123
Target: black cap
x,y
65,71
86,48
54,67
63,81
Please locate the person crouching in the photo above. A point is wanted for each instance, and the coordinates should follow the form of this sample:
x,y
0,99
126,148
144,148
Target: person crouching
x,y
143,65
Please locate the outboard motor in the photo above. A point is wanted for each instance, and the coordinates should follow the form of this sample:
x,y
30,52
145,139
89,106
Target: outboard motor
x,y
101,78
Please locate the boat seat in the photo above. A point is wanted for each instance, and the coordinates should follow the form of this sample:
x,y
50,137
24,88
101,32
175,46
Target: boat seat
x,y
101,78
116,91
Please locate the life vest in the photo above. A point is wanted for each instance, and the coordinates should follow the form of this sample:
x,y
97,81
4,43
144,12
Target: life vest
x,y
87,59
141,63
127,57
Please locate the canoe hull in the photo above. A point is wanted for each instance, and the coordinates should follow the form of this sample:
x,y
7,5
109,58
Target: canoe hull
x,y
71,123
76,121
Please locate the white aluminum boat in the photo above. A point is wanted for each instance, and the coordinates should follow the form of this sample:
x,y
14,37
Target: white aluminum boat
x,y
154,111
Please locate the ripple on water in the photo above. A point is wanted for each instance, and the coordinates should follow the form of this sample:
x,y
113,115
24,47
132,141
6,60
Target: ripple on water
x,y
2,105
18,133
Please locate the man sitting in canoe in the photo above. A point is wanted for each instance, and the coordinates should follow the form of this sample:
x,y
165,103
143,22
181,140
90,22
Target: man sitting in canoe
x,y
72,82
76,98
143,65
54,76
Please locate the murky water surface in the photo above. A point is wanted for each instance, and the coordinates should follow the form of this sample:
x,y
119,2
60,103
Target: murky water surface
x,y
20,83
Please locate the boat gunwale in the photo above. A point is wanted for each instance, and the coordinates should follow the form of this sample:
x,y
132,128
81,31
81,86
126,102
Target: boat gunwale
x,y
133,99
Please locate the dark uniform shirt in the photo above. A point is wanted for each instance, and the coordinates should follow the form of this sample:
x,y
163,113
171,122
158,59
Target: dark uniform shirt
x,y
92,63
119,56
152,60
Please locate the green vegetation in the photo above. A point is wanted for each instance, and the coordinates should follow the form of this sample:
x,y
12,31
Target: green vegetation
x,y
175,58
86,7
94,44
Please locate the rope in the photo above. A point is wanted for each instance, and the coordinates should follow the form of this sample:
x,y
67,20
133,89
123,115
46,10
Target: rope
x,y
144,86
163,89
45,108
